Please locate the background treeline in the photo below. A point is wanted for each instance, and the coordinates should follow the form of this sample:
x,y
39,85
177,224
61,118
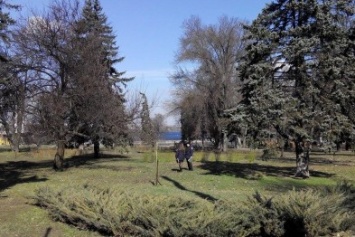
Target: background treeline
x,y
287,77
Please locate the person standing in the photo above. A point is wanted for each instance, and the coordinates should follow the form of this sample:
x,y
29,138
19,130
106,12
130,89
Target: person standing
x,y
180,154
189,151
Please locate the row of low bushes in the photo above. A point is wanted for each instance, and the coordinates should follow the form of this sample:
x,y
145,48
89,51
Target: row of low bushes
x,y
120,213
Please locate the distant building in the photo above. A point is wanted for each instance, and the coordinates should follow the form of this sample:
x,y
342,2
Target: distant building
x,y
3,139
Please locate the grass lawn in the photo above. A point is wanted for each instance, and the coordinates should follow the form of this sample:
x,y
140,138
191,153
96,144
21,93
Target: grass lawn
x,y
234,175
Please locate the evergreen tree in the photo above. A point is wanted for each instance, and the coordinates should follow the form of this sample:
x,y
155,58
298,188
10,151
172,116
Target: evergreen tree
x,y
94,24
298,77
11,88
147,133
5,22
94,27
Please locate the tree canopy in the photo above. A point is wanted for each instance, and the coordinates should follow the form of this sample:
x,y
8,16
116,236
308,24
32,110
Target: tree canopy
x,y
67,57
298,71
208,86
110,125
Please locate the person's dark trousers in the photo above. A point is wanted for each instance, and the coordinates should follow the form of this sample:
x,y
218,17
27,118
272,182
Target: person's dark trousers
x,y
189,164
180,168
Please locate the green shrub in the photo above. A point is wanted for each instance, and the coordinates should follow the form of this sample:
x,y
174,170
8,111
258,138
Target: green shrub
x,y
121,213
346,188
295,213
252,218
311,213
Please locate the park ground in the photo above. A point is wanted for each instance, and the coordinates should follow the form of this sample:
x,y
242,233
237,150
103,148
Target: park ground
x,y
234,175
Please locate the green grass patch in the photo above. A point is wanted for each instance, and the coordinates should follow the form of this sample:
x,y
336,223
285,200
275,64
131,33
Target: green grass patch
x,y
232,177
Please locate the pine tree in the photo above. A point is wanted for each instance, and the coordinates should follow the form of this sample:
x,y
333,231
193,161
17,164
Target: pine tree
x,y
93,27
5,22
11,88
298,77
147,133
94,24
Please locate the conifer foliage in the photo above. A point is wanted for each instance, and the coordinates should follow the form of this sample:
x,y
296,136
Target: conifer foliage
x,y
147,134
5,22
11,89
93,28
297,73
94,24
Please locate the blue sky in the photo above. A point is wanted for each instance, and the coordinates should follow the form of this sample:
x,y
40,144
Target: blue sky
x,y
148,33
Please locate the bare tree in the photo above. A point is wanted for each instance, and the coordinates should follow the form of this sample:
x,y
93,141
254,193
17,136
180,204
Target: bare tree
x,y
158,123
73,94
210,86
49,54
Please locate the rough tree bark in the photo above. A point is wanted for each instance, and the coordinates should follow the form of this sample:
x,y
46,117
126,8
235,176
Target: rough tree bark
x,y
302,159
96,148
59,156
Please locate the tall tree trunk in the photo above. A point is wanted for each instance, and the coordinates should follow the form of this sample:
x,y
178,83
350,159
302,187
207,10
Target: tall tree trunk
x,y
19,114
96,148
16,139
203,140
15,142
59,156
224,140
302,159
61,148
282,147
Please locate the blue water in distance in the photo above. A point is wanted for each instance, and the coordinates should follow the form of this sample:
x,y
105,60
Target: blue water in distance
x,y
170,136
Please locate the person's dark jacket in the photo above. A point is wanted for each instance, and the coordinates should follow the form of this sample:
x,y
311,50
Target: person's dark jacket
x,y
180,155
189,152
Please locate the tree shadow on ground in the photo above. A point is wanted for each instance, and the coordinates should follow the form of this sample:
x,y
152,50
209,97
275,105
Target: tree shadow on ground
x,y
245,171
89,159
5,149
22,171
17,172
181,187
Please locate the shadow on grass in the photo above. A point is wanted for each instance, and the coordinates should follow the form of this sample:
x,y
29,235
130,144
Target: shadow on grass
x,y
89,159
242,170
5,149
17,172
12,173
181,187
48,231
